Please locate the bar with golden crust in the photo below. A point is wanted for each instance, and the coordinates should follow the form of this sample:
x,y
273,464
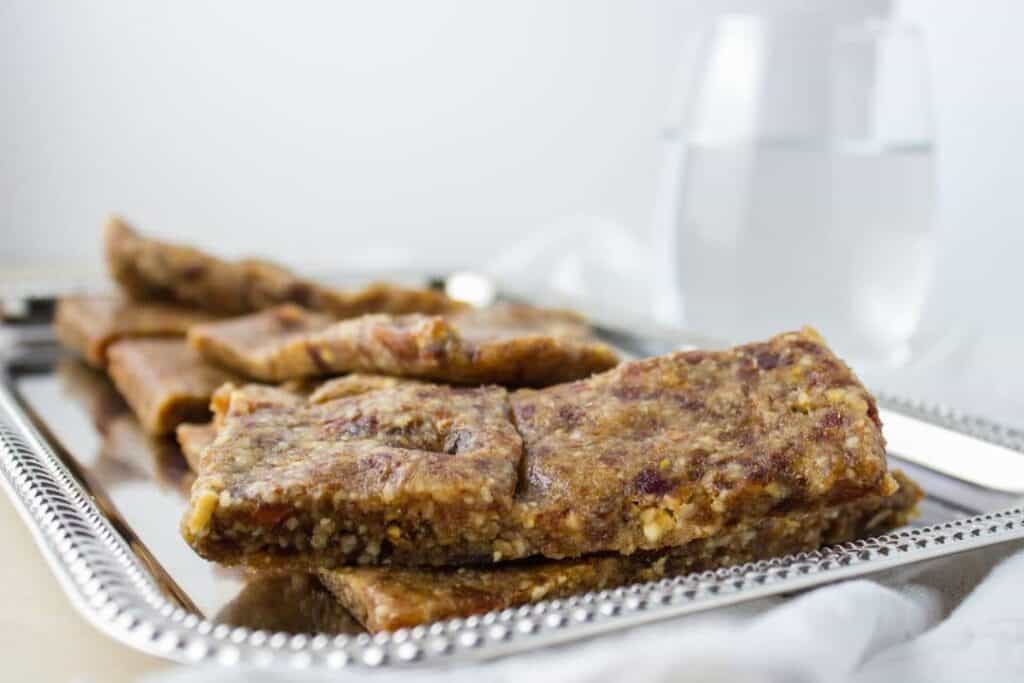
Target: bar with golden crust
x,y
88,325
164,381
151,269
507,344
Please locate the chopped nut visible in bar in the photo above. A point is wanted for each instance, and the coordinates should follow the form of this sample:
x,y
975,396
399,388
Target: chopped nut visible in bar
x,y
389,598
650,455
164,381
149,269
507,344
88,325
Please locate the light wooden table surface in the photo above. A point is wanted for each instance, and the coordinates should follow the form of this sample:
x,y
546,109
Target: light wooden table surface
x,y
42,637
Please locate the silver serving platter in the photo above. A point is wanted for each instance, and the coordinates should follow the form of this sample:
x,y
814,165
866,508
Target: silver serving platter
x,y
108,529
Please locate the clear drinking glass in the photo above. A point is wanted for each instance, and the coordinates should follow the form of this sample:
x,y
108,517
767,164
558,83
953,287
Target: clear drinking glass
x,y
799,186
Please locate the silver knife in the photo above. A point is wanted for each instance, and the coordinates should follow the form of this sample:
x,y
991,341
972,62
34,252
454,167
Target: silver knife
x,y
954,453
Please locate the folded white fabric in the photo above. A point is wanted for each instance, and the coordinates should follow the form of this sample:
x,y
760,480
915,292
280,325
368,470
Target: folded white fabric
x,y
982,640
857,631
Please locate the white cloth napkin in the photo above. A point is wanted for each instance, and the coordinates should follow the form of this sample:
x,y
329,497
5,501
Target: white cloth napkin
x,y
918,628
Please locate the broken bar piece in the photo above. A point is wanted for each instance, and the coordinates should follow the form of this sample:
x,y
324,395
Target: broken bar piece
x,y
508,344
651,455
248,344
88,325
164,381
150,269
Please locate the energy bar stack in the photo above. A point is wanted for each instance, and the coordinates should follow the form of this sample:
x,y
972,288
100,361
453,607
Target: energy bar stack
x,y
426,460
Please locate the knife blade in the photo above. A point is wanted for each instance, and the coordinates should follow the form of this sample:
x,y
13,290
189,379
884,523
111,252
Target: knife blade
x,y
959,455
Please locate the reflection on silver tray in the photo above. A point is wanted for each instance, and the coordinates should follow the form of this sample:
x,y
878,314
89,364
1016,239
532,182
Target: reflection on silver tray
x,y
103,500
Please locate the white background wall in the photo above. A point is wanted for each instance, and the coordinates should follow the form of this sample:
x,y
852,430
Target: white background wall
x,y
436,132
441,128
436,127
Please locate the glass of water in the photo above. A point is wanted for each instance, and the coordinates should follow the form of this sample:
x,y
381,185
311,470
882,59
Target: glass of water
x,y
798,186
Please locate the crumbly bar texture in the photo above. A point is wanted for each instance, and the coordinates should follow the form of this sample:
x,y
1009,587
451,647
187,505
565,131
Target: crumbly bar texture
x,y
389,598
150,269
164,381
88,325
194,438
507,344
288,602
677,446
436,451
650,455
